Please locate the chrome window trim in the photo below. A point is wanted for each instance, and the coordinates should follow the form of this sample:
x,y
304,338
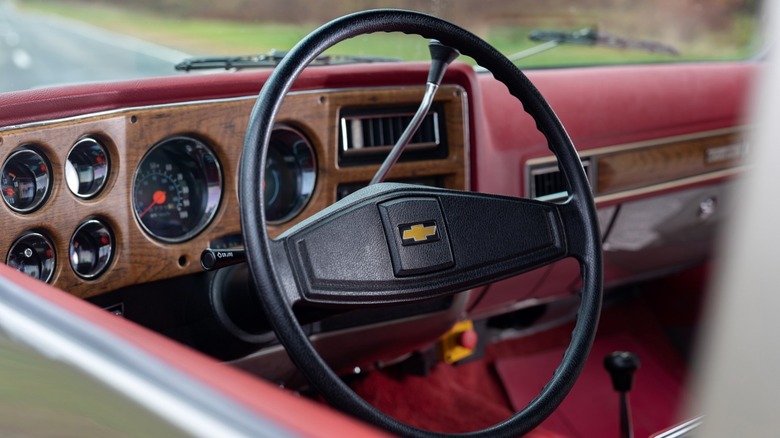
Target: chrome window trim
x,y
683,430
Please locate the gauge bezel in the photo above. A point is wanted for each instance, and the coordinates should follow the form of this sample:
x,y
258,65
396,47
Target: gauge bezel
x,y
213,189
102,267
40,200
35,234
95,189
304,195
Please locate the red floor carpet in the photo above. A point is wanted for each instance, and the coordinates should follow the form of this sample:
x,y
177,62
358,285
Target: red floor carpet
x,y
591,409
478,394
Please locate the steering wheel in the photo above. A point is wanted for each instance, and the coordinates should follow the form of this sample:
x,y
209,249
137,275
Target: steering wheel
x,y
397,243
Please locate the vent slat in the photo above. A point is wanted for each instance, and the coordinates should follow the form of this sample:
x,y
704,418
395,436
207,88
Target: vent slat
x,y
376,132
387,131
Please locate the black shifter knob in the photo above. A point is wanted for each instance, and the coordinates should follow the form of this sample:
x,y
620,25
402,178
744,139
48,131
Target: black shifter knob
x,y
441,57
621,366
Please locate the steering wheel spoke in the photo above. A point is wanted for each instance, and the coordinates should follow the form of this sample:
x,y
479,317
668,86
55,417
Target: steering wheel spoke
x,y
284,273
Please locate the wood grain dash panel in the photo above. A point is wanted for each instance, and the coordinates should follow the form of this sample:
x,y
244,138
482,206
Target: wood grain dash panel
x,y
129,134
631,169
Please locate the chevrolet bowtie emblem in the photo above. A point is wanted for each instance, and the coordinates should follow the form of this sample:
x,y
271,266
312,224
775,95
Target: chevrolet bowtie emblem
x,y
424,232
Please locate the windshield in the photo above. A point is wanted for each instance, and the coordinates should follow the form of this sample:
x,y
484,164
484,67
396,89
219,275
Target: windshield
x,y
49,42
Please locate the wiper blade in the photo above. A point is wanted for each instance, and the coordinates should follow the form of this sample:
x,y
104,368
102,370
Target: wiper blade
x,y
585,36
592,37
271,59
588,36
228,62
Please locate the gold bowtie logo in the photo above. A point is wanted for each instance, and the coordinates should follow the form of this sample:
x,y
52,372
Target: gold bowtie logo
x,y
419,233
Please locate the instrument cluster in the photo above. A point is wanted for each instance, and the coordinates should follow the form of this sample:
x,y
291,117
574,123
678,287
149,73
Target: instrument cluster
x,y
176,192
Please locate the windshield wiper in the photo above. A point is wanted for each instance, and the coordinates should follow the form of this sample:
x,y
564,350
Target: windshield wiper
x,y
588,36
591,37
270,59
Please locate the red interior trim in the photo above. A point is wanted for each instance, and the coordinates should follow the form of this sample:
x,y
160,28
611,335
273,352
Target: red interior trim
x,y
605,106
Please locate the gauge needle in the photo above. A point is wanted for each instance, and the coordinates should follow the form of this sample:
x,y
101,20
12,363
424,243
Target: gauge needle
x,y
158,198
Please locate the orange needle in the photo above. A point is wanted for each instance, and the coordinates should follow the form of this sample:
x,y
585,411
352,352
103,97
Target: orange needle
x,y
158,198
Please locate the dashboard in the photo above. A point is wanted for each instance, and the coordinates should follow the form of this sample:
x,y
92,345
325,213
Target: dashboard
x,y
112,191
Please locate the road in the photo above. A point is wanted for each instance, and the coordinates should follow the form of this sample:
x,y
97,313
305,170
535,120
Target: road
x,y
37,51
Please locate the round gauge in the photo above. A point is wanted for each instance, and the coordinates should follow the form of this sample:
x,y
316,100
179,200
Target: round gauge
x,y
176,189
33,254
290,174
87,167
25,180
91,248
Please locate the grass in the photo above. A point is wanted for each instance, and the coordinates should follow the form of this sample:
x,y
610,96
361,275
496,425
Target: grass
x,y
219,37
192,36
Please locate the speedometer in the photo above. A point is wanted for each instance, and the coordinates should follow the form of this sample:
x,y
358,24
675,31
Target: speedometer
x,y
176,189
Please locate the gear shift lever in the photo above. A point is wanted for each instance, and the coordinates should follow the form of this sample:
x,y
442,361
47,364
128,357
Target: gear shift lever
x,y
441,57
621,366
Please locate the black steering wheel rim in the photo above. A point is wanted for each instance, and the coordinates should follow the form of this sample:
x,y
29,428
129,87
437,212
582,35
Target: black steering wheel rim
x,y
261,254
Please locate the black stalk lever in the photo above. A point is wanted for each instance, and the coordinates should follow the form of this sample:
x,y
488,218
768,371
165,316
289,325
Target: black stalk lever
x,y
211,259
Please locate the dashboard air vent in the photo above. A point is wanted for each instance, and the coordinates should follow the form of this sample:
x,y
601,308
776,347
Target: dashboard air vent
x,y
546,181
373,134
367,134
